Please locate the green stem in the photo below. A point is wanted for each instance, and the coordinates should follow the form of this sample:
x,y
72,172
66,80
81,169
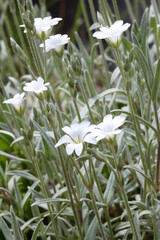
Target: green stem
x,y
93,12
85,99
77,110
45,62
86,19
129,7
133,117
116,9
158,142
78,170
97,214
105,12
104,62
102,199
46,196
120,177
76,217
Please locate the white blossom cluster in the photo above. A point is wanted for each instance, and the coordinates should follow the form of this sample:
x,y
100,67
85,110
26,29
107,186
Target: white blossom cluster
x,y
43,29
78,133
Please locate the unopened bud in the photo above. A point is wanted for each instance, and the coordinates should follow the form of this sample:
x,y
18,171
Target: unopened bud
x,y
30,134
51,119
76,64
18,50
71,82
100,19
70,48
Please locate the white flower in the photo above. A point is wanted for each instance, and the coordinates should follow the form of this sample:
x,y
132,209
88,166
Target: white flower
x,y
55,42
17,101
36,86
108,128
113,33
43,26
76,134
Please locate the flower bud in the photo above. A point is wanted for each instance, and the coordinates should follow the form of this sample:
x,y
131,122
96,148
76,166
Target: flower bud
x,y
70,48
100,19
51,119
29,23
76,64
71,82
30,134
31,18
18,50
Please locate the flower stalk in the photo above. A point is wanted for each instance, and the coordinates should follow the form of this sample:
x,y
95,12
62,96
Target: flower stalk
x,y
133,117
120,184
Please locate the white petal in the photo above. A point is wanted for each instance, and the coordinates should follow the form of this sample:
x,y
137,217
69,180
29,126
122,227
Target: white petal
x,y
84,124
40,80
62,140
78,149
70,148
118,121
66,129
100,137
107,118
117,131
99,35
118,24
125,27
89,138
100,125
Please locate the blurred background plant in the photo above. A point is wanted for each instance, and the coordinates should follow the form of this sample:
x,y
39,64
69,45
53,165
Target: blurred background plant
x,y
45,194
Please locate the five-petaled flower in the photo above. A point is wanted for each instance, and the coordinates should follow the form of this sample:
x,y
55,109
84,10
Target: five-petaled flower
x,y
36,86
43,26
17,102
55,42
76,134
108,128
112,34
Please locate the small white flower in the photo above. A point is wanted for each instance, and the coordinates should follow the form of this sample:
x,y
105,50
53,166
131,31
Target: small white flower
x,y
43,26
55,42
112,34
17,102
108,128
36,86
76,134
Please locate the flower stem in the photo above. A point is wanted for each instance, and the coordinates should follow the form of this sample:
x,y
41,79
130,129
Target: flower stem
x,y
116,9
85,98
46,196
158,141
102,199
83,178
120,181
76,217
103,5
97,214
133,117
91,195
45,62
